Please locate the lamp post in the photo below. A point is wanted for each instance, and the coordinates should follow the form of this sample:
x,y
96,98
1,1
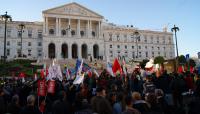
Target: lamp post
x,y
21,26
5,18
137,36
175,29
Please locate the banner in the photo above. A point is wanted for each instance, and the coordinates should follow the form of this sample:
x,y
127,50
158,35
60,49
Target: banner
x,y
41,88
51,86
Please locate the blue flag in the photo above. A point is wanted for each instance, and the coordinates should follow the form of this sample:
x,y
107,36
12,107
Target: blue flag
x,y
187,57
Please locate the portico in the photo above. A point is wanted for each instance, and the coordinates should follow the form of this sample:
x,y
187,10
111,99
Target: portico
x,y
72,22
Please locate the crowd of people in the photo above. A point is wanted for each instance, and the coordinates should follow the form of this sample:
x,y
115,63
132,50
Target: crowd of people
x,y
132,94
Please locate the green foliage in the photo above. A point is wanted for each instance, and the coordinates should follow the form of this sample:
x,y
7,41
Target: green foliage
x,y
159,60
182,60
17,66
143,63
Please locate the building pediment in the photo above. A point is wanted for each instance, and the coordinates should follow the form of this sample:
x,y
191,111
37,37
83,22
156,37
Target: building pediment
x,y
73,9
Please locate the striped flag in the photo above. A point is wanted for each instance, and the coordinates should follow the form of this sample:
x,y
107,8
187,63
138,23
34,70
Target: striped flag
x,y
109,67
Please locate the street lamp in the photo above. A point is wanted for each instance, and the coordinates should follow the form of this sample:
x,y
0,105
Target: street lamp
x,y
137,36
5,18
21,26
175,29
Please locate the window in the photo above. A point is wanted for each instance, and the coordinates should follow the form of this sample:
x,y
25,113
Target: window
x,y
118,37
138,39
39,52
125,37
51,31
29,33
39,33
140,54
145,39
118,52
139,47
133,54
163,39
8,43
63,32
82,33
93,34
118,46
158,48
18,43
164,48
151,39
8,32
126,54
29,43
152,54
125,46
19,34
8,52
152,47
158,39
110,46
132,47
159,53
73,32
146,54
165,54
18,52
39,43
111,52
110,37
170,42
29,52
145,47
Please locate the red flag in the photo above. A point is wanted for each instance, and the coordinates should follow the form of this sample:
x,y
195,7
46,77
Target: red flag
x,y
116,66
51,86
42,73
41,88
21,75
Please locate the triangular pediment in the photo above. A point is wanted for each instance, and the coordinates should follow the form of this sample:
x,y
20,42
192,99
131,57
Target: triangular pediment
x,y
73,9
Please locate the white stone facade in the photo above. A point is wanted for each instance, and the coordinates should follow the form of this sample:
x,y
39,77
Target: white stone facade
x,y
73,31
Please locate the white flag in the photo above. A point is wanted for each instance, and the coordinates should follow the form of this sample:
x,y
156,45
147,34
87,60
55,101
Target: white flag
x,y
79,79
109,67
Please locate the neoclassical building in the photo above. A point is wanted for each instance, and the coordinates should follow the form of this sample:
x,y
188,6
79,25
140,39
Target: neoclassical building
x,y
74,31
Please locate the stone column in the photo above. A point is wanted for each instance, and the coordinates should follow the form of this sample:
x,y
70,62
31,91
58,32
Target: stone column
x,y
88,28
56,26
46,24
69,27
58,51
78,27
59,27
99,29
69,51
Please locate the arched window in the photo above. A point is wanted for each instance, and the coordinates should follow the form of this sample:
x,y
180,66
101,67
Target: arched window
x,y
63,32
51,31
73,32
82,33
93,33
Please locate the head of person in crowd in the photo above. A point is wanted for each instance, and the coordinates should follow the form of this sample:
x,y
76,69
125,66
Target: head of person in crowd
x,y
148,78
101,92
136,96
15,99
31,100
151,98
114,87
159,92
128,101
